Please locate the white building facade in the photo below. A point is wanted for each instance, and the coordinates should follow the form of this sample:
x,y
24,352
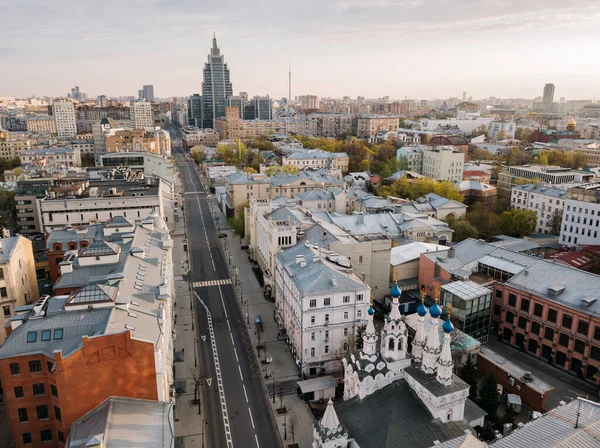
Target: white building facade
x,y
581,216
547,203
141,113
64,119
443,163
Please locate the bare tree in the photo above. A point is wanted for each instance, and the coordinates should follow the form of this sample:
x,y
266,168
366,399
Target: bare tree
x,y
198,379
280,394
258,339
292,427
458,345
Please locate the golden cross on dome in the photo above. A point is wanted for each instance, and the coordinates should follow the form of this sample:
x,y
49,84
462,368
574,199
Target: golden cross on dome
x,y
450,311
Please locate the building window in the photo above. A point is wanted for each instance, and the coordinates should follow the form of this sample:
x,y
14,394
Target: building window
x,y
39,389
512,300
312,320
597,332
312,336
313,303
549,333
525,305
497,309
359,314
57,414
326,318
46,435
510,317
345,332
58,334
359,297
26,438
538,309
522,322
23,415
53,390
583,327
50,366
46,335
579,346
42,412
595,353
327,301
552,315
32,336
15,370
563,340
535,328
567,321
346,299
19,392
6,310
326,349
498,294
345,314
61,437
35,366
312,351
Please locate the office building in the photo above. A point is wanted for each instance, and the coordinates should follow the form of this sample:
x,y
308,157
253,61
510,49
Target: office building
x,y
65,121
195,110
141,115
18,281
41,124
321,304
216,87
193,136
309,102
548,97
546,201
147,93
527,174
65,355
263,108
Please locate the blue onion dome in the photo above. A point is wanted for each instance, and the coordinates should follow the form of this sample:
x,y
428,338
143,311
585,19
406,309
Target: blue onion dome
x,y
421,311
448,327
435,311
396,291
371,311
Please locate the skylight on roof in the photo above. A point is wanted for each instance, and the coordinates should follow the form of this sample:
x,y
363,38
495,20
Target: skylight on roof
x,y
129,327
134,303
132,315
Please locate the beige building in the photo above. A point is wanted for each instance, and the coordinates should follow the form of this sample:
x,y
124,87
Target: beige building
x,y
372,124
84,146
405,262
41,124
64,119
591,152
65,156
317,158
18,281
309,101
243,187
443,163
192,136
232,127
12,144
141,115
139,140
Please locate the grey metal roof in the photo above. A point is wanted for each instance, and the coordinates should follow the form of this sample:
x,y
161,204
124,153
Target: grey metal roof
x,y
6,247
431,383
557,428
310,154
125,423
75,325
543,189
472,411
464,441
117,222
516,244
316,277
318,383
393,417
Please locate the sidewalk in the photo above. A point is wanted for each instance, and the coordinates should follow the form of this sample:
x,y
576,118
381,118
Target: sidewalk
x,y
188,424
282,365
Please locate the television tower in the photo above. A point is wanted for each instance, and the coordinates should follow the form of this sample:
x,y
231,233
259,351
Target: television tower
x,y
290,85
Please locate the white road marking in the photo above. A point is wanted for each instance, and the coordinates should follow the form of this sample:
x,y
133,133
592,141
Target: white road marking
x,y
240,370
228,326
256,438
223,303
251,419
218,370
235,351
245,392
230,334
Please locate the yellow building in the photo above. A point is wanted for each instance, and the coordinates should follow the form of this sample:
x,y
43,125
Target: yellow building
x,y
139,140
12,143
18,282
41,124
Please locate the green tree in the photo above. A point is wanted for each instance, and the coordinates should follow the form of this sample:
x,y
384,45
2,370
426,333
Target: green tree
x,y
237,222
484,219
556,222
197,156
87,160
488,395
469,375
273,170
364,165
360,331
7,204
462,229
250,170
290,169
518,223
543,158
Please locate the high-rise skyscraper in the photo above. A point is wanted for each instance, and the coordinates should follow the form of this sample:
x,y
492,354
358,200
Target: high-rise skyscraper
x,y
148,92
64,119
548,94
195,110
216,87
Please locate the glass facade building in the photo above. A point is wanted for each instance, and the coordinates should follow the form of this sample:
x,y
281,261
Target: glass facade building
x,y
216,87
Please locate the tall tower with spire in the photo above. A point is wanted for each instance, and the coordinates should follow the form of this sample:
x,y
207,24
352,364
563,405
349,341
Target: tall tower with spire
x,y
431,349
394,336
216,87
419,340
445,363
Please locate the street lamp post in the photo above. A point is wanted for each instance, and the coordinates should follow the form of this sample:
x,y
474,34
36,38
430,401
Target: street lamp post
x,y
273,375
284,427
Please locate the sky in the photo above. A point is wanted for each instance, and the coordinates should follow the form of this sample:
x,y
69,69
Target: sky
x,y
401,48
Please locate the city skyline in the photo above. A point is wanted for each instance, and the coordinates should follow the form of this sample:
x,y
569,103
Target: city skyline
x,y
373,48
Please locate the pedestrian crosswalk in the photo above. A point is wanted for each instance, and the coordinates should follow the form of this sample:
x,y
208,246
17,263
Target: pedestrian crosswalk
x,y
206,283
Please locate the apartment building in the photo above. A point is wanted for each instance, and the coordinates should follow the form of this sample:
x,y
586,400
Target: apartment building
x,y
590,151
526,174
333,125
153,165
156,141
547,202
334,200
13,143
581,216
85,147
141,115
443,163
413,155
41,124
369,125
242,187
66,156
65,355
75,202
320,303
466,125
29,192
192,136
309,101
65,123
316,159
502,128
543,307
18,281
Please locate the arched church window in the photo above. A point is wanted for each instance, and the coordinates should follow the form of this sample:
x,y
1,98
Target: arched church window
x,y
391,344
399,344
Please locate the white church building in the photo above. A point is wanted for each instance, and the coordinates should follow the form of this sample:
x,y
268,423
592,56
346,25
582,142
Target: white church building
x,y
396,399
